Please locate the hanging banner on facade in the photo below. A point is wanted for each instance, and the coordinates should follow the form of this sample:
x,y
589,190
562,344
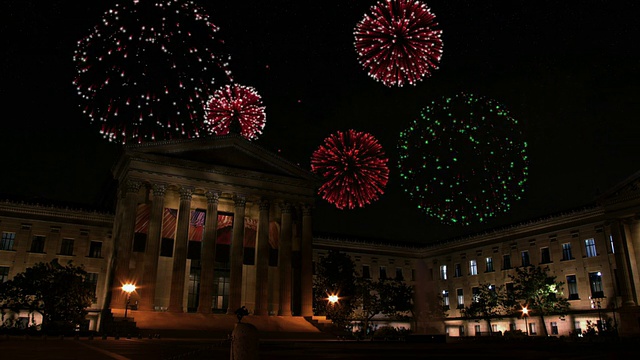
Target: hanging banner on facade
x,y
196,224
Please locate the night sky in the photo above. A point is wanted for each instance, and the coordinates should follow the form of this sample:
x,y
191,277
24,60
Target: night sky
x,y
568,71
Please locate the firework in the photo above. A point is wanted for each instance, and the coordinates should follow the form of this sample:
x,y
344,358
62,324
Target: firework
x,y
396,42
463,161
236,104
145,71
354,167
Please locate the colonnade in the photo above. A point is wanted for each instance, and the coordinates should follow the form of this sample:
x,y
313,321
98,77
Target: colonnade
x,y
124,225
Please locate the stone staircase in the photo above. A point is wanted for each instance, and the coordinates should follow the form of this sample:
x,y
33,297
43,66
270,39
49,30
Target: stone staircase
x,y
320,322
119,326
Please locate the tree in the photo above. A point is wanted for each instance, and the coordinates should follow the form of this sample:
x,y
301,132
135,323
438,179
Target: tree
x,y
60,293
335,275
539,292
486,303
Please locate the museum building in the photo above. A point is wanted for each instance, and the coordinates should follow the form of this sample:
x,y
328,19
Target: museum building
x,y
209,225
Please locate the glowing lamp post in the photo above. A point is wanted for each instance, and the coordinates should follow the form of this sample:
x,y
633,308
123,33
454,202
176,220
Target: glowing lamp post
x,y
333,299
128,288
525,313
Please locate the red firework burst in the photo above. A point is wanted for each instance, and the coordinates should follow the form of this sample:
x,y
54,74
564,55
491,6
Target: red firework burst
x,y
354,167
236,104
396,42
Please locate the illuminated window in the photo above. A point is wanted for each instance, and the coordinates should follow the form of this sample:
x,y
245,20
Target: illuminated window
x,y
532,329
566,251
590,246
445,299
554,328
4,273
595,280
572,285
475,294
494,328
457,270
613,249
460,295
473,267
476,328
7,241
525,258
489,262
443,272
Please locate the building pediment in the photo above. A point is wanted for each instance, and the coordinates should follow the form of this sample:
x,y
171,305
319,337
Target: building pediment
x,y
231,152
625,192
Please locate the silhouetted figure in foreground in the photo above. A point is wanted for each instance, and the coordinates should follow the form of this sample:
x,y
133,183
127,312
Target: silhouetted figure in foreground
x,y
242,312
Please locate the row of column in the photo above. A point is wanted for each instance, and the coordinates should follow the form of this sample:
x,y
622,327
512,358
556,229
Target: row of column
x,y
127,214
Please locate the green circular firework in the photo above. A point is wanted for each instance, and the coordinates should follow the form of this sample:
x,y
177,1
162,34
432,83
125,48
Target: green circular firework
x,y
463,160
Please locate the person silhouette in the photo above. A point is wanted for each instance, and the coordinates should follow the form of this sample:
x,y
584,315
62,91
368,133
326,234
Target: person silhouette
x,y
242,312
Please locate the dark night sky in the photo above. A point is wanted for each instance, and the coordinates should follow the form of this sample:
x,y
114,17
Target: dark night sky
x,y
569,71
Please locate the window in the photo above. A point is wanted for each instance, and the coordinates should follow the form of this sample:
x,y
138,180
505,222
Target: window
x,y
545,255
476,328
95,249
475,294
383,272
7,241
578,328
506,262
566,251
590,246
67,247
460,295
92,278
445,299
457,270
532,328
37,244
489,262
554,328
494,328
473,267
194,249
166,248
413,274
443,272
572,284
509,288
525,258
595,280
461,330
139,242
399,275
613,249
365,272
4,273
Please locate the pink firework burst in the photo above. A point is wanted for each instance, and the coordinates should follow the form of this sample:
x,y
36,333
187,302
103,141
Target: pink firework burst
x,y
354,167
236,105
396,42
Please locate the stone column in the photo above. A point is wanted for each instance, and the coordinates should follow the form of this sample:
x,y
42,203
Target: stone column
x,y
124,242
180,252
306,252
208,258
237,244
262,261
149,277
284,261
624,271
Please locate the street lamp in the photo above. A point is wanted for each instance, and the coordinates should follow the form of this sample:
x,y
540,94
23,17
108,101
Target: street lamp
x,y
128,288
333,298
525,313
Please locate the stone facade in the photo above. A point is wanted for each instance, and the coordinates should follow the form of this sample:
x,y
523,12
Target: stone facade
x,y
209,225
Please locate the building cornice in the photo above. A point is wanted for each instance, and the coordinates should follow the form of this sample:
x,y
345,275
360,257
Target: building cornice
x,y
15,209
